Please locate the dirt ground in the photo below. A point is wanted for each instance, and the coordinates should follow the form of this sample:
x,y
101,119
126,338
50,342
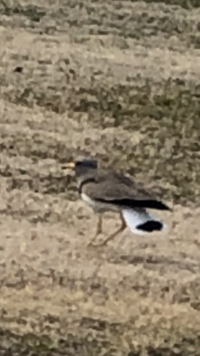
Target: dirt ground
x,y
118,80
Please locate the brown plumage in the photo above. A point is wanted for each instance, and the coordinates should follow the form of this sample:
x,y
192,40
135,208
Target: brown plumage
x,y
107,190
114,188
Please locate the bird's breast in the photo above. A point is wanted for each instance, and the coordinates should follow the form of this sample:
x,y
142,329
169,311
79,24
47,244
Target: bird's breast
x,y
97,206
88,200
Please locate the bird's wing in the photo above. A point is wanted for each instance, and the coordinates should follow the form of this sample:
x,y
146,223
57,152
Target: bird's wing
x,y
118,189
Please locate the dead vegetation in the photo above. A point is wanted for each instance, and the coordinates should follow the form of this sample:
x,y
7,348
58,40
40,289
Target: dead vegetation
x,y
120,80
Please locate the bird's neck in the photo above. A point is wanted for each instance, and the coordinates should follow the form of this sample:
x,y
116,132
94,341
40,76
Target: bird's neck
x,y
83,181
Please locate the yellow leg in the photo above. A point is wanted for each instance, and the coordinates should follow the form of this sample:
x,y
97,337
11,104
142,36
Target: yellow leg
x,y
114,234
98,230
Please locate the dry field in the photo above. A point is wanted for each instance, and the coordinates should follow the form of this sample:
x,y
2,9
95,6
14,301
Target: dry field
x,y
119,79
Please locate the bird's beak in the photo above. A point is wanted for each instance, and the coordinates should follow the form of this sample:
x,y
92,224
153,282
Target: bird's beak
x,y
70,165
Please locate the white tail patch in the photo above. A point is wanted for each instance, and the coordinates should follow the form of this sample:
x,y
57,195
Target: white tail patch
x,y
140,221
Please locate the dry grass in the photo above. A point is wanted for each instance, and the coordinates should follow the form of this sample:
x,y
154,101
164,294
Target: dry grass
x,y
119,79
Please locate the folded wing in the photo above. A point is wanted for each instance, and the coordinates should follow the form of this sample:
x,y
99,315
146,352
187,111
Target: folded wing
x,y
120,190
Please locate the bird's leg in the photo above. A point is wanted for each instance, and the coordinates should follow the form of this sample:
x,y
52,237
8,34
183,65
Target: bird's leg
x,y
98,230
114,234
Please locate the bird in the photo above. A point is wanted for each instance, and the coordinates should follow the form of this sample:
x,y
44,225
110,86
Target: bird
x,y
108,190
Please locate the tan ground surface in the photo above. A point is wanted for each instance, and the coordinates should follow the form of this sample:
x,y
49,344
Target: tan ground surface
x,y
119,79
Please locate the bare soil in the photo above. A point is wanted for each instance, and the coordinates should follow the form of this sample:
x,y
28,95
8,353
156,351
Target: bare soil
x,y
118,80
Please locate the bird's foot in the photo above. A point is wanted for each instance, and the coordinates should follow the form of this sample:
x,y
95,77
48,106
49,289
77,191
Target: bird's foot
x,y
97,244
93,244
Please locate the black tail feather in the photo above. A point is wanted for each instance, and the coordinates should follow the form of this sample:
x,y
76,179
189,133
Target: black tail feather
x,y
134,203
151,225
